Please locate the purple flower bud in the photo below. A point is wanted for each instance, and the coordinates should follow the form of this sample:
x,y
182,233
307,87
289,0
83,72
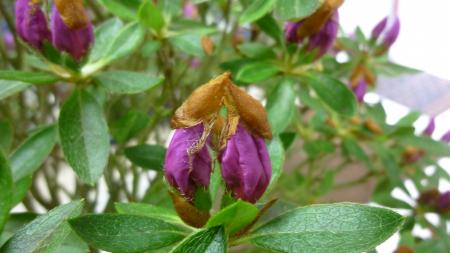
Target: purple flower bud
x,y
391,34
76,42
190,10
246,167
446,137
8,39
324,39
379,28
291,32
31,23
360,90
429,130
185,169
443,204
387,30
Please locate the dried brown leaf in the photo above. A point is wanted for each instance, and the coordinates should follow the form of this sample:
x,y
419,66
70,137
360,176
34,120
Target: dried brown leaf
x,y
207,45
189,213
72,13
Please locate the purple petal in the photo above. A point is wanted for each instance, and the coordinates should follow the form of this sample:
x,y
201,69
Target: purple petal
x,y
177,169
443,204
391,34
446,137
360,90
379,28
291,31
324,39
246,167
429,130
31,23
76,42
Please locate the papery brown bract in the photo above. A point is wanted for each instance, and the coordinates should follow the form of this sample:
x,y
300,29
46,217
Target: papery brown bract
x,y
188,212
250,110
72,13
203,104
207,45
373,126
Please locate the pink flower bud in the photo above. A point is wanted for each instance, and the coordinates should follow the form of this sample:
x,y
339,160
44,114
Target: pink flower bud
x,y
31,23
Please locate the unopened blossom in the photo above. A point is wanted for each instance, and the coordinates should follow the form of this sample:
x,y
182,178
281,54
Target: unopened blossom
x,y
443,203
246,167
31,23
386,32
429,130
190,10
323,41
187,165
360,90
446,137
71,29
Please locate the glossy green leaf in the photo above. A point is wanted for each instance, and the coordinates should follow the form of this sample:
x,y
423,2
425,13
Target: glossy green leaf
x,y
126,9
150,16
270,26
277,157
127,40
15,222
9,88
6,186
257,50
127,82
188,43
6,137
129,125
45,233
256,10
256,72
84,136
212,240
147,156
234,217
333,228
281,106
126,233
296,9
103,34
28,77
30,155
148,210
334,93
20,189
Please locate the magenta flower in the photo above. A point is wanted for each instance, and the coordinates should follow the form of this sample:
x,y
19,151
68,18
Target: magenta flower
x,y
291,32
443,203
185,169
76,42
190,10
246,167
31,23
429,130
360,90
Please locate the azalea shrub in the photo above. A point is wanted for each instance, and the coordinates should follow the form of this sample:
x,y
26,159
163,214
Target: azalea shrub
x,y
207,126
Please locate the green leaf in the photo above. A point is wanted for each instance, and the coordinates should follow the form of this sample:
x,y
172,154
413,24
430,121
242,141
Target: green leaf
x,y
189,44
20,189
408,120
148,210
84,136
256,72
126,9
382,196
150,16
296,9
45,233
281,106
129,125
15,222
9,88
431,147
234,217
103,34
6,137
147,156
288,138
391,167
277,156
326,183
334,228
317,148
256,10
126,233
126,42
354,150
73,244
270,26
257,50
6,186
28,77
30,155
212,240
127,82
334,93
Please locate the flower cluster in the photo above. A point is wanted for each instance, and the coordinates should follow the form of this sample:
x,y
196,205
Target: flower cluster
x,y
70,31
237,138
